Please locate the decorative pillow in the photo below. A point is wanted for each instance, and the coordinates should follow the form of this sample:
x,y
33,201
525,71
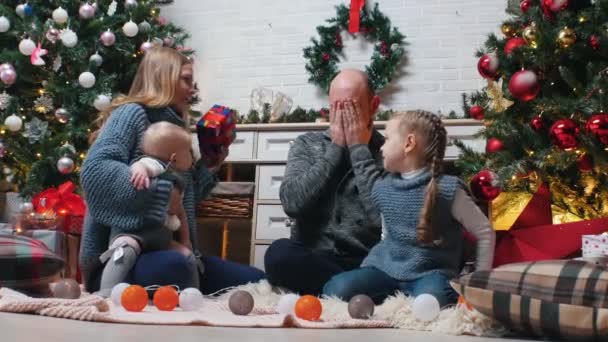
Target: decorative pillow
x,y
27,264
561,299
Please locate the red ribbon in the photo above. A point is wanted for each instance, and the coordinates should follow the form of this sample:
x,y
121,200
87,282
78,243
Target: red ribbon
x,y
355,15
62,201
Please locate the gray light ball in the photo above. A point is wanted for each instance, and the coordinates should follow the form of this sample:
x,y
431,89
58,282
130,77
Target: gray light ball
x,y
241,303
66,289
361,307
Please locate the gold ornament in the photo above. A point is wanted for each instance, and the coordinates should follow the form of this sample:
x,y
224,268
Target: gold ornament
x,y
530,35
566,37
508,30
494,91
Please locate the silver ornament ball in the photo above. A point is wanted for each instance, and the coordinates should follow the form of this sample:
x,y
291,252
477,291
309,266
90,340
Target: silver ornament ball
x,y
65,165
26,207
62,115
96,59
144,27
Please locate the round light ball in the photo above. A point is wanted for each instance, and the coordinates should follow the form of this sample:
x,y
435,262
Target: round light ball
x,y
107,38
86,11
13,123
130,29
191,299
20,10
27,46
425,307
287,304
66,289
65,165
8,76
102,102
5,24
241,303
96,59
60,16
144,27
86,79
361,307
116,293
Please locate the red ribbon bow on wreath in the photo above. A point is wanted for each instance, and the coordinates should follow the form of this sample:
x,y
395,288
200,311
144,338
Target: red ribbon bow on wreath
x,y
61,200
355,15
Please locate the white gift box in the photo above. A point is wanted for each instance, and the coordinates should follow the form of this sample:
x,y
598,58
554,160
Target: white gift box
x,y
595,245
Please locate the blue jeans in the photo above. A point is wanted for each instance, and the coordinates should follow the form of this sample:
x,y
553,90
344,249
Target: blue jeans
x,y
172,268
379,285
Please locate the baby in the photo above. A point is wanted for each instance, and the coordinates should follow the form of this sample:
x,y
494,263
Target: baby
x,y
167,151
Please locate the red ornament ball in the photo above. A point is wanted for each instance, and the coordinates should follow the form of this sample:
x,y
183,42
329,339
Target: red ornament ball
x,y
494,145
525,5
598,126
476,112
594,42
537,124
524,85
554,5
308,308
585,163
484,185
513,44
564,134
326,56
488,66
165,298
134,298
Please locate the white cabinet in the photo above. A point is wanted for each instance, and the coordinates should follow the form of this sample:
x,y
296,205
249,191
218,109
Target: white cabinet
x,y
270,179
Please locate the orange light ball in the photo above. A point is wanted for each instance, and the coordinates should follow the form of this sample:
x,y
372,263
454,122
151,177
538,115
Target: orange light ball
x,y
134,298
309,308
165,298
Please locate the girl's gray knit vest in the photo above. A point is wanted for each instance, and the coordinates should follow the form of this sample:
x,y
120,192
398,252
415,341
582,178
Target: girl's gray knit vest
x,y
399,255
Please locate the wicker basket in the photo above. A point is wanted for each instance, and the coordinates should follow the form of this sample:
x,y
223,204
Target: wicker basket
x,y
228,200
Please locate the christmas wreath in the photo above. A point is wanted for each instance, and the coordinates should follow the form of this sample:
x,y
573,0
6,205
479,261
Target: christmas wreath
x,y
323,56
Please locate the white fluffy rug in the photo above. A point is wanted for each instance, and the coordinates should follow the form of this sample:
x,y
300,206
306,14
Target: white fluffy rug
x,y
397,309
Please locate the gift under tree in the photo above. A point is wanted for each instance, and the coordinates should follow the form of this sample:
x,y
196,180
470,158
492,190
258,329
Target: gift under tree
x,y
545,122
73,57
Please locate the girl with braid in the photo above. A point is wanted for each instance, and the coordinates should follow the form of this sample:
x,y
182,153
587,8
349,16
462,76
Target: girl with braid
x,y
423,215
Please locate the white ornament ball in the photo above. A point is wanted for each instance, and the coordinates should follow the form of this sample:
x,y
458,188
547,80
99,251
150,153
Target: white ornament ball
x,y
26,207
102,102
191,299
130,3
86,11
60,16
27,46
116,293
65,165
96,59
20,10
5,25
144,27
145,46
107,38
425,307
130,29
86,79
287,304
69,38
8,75
13,123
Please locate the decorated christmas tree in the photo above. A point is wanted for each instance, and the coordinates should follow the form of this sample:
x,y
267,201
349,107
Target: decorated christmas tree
x,y
544,107
62,62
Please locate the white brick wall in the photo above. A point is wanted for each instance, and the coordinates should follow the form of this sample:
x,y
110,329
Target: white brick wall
x,y
242,44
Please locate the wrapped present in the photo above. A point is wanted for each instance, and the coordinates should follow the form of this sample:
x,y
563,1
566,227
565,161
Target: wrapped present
x,y
594,246
63,203
216,130
514,210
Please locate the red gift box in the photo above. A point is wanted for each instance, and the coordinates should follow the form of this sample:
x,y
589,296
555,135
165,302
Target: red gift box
x,y
216,130
63,202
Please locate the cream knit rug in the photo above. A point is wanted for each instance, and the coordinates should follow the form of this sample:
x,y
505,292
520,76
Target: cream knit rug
x,y
395,312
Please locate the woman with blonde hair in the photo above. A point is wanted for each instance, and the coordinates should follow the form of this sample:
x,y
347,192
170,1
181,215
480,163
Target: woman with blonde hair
x,y
161,92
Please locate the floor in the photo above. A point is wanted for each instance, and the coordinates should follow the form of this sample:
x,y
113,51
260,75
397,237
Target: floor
x,y
26,328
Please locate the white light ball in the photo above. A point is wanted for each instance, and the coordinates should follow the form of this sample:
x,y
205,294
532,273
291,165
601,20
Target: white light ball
x,y
102,102
20,10
191,299
27,46
117,293
68,38
86,79
287,304
425,307
13,123
60,16
130,29
5,25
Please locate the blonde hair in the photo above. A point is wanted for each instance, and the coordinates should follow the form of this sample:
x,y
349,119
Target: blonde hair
x,y
430,129
154,84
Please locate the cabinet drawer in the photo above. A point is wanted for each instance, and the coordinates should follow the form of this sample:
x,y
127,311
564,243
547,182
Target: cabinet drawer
x,y
242,147
258,256
269,182
274,146
271,222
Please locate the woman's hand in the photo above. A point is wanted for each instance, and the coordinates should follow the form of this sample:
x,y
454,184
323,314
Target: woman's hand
x,y
214,162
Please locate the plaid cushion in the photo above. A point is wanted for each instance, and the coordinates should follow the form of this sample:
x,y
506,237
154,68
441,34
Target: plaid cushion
x,y
563,299
26,263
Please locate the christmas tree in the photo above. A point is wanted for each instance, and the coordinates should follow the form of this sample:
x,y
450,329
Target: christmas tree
x,y
544,106
62,62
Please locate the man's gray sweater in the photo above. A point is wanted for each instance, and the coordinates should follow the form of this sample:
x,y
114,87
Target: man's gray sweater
x,y
327,190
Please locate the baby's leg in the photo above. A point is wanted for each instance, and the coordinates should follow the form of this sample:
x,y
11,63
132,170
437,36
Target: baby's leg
x,y
183,250
119,259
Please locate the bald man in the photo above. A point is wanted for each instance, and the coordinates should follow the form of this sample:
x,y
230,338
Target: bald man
x,y
326,192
